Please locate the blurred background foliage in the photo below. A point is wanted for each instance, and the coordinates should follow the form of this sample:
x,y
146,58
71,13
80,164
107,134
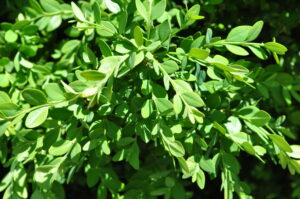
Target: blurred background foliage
x,y
280,81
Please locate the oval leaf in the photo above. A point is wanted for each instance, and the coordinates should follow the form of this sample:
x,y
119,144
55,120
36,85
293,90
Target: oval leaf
x,y
37,117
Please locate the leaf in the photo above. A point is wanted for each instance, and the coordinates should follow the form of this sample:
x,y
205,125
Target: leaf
x,y
147,109
200,179
255,31
275,47
134,156
170,66
159,9
92,75
37,117
236,50
248,148
239,33
192,12
10,36
97,12
164,31
60,147
254,115
54,23
176,148
34,97
281,142
105,50
4,98
8,109
112,6
177,104
192,99
50,5
138,36
259,52
77,12
54,92
296,151
142,10
163,105
199,53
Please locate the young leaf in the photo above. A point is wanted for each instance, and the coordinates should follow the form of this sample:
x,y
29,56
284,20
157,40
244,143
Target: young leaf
x,y
237,50
77,12
37,117
239,33
255,31
275,47
142,10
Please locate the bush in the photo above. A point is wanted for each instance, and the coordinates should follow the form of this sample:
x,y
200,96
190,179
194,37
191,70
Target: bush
x,y
133,100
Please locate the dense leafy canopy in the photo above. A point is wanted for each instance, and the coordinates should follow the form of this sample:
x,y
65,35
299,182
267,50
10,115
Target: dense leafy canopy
x,y
133,98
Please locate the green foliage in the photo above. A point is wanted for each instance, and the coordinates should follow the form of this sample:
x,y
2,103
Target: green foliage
x,y
126,102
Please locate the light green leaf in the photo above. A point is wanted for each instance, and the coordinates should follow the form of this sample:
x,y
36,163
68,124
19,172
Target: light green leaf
x,y
34,96
54,91
248,148
176,148
236,50
159,9
142,10
170,66
281,142
50,5
275,47
147,109
112,6
259,52
177,104
77,12
11,36
92,75
8,109
199,53
138,36
255,31
37,117
296,151
163,105
192,99
60,147
239,33
4,98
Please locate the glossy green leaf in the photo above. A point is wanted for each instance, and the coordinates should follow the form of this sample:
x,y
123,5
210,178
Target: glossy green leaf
x,y
37,117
